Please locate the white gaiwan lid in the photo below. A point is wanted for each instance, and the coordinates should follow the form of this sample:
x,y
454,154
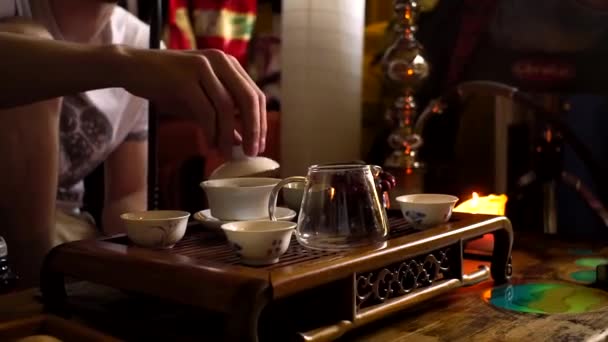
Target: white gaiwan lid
x,y
242,165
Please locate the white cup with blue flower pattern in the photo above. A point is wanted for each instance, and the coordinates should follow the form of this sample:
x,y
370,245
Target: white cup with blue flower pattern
x,y
427,210
259,242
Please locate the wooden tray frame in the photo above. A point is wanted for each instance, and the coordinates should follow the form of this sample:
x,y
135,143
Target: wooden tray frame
x,y
325,297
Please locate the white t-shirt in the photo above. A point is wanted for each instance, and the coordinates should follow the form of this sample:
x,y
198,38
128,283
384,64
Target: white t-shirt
x,y
93,123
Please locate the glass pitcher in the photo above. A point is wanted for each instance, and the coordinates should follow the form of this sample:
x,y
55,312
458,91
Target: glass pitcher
x,y
341,207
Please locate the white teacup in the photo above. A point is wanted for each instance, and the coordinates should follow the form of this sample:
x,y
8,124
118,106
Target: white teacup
x,y
156,228
259,242
425,210
239,199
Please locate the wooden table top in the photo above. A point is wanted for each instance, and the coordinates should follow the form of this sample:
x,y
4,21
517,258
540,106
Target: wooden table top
x,y
458,316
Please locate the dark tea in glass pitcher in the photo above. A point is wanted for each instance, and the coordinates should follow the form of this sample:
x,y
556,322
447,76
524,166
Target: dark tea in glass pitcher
x,y
341,207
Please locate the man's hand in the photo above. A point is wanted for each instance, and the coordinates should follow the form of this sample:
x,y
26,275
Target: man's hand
x,y
209,86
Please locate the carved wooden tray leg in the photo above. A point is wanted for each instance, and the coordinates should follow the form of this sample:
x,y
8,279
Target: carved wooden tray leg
x,y
52,286
502,268
242,323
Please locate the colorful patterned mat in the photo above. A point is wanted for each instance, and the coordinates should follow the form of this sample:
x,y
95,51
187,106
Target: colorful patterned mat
x,y
546,298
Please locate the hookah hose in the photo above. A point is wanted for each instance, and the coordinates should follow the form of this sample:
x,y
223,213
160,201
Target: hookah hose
x,y
598,169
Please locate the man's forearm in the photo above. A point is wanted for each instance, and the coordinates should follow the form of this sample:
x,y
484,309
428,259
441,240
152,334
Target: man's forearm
x,y
112,224
34,69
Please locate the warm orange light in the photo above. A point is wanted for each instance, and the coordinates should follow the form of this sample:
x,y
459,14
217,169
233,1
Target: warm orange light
x,y
490,205
332,193
548,135
410,72
408,15
408,171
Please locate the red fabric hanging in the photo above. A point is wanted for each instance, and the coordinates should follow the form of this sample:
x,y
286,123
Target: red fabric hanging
x,y
179,28
226,25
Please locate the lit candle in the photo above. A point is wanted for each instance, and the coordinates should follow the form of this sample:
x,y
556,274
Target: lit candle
x,y
489,205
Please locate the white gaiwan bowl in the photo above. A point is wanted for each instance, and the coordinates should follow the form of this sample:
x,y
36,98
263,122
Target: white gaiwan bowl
x,y
425,210
156,228
259,242
239,199
292,195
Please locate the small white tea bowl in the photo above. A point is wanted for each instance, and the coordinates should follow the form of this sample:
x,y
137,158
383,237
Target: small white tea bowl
x,y
239,199
425,210
259,242
292,195
156,228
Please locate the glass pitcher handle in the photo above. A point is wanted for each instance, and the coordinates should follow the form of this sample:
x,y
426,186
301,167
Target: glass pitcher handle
x,y
274,194
384,183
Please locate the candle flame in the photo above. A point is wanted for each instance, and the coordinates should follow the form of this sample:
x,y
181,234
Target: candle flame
x,y
474,200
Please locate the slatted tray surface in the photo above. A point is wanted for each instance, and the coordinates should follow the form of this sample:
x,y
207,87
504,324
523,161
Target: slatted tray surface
x,y
211,245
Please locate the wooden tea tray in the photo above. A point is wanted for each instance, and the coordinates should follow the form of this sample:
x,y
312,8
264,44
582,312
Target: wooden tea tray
x,y
312,295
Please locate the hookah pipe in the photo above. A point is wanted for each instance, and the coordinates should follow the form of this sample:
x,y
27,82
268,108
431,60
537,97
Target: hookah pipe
x,y
551,148
597,169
